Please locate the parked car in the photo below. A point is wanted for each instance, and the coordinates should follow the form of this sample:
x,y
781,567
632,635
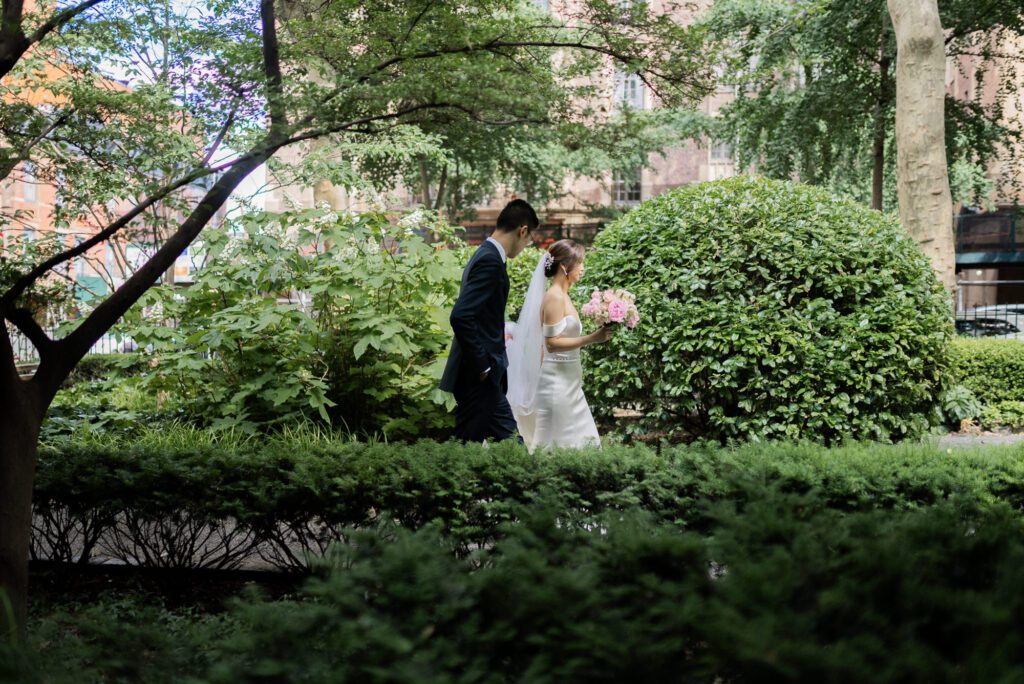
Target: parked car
x,y
1014,313
971,325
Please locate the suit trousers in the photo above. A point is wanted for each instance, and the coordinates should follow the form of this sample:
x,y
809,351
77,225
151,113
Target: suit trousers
x,y
481,410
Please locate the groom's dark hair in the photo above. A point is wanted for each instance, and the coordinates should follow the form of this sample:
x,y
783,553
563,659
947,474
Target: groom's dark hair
x,y
517,213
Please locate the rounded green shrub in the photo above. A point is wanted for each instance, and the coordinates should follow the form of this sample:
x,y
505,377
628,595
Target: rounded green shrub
x,y
770,310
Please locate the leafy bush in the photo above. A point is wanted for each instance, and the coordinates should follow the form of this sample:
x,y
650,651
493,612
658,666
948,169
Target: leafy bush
x,y
114,405
520,272
310,314
991,368
770,310
784,590
49,299
958,404
151,498
1004,414
96,367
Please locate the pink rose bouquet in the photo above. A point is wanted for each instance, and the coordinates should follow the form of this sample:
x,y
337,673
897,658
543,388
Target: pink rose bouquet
x,y
612,306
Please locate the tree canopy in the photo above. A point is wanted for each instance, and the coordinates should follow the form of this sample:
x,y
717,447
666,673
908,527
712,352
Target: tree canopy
x,y
815,90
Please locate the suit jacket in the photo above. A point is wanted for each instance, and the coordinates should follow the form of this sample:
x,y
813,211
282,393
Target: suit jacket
x,y
478,321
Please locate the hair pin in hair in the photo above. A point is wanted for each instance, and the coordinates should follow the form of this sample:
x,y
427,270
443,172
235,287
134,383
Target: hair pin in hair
x,y
548,261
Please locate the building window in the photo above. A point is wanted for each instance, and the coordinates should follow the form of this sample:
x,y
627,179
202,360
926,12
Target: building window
x,y
626,186
28,181
80,260
721,84
721,152
629,90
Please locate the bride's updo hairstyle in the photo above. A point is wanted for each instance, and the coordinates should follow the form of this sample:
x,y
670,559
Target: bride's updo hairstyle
x,y
565,253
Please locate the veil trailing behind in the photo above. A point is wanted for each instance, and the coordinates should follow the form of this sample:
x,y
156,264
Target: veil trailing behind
x,y
545,388
526,352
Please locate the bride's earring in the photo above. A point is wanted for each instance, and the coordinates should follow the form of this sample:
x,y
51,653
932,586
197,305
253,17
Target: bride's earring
x,y
564,271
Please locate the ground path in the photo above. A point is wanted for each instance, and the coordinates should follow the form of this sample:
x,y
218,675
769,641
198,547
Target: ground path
x,y
975,439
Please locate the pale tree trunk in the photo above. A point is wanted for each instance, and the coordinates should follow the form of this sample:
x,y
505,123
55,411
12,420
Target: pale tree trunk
x,y
926,208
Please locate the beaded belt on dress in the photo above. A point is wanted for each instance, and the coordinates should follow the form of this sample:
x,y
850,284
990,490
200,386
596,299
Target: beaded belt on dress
x,y
561,357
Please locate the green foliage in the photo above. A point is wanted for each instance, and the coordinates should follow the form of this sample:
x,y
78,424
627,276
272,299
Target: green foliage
x,y
310,314
106,406
958,404
1003,414
49,299
365,91
98,367
282,497
120,639
770,310
815,90
991,368
520,272
784,590
505,112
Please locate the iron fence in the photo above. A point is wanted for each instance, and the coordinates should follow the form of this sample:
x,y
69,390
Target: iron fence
x,y
979,313
26,353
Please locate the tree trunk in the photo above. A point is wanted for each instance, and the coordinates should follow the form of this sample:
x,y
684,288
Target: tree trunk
x,y
878,154
23,404
425,182
19,430
441,187
926,208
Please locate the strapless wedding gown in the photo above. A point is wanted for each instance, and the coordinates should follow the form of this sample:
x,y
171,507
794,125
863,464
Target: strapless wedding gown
x,y
562,416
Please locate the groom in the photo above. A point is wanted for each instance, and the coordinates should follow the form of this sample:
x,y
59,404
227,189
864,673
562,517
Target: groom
x,y
476,367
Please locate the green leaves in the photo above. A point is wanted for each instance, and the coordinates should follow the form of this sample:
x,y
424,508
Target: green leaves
x,y
992,369
310,314
815,91
770,310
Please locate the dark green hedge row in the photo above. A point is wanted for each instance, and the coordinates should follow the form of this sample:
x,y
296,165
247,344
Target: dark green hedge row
x,y
106,366
159,501
786,590
993,369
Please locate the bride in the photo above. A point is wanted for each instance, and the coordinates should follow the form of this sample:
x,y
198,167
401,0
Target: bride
x,y
545,377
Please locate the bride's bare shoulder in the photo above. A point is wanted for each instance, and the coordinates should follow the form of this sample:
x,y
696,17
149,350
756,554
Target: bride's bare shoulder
x,y
553,306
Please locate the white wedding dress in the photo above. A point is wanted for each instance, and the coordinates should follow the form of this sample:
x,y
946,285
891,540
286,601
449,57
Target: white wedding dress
x,y
545,389
561,416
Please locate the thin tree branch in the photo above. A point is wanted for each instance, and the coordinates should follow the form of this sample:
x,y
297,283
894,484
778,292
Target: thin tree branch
x,y
23,154
73,347
992,55
59,19
415,22
221,135
25,281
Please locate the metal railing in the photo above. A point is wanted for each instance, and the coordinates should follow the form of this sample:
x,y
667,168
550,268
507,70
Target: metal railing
x,y
980,314
26,353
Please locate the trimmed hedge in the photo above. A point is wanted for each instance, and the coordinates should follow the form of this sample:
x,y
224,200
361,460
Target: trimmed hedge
x,y
993,369
96,367
787,590
161,500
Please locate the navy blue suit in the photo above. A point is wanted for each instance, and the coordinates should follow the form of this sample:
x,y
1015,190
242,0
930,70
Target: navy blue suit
x,y
478,321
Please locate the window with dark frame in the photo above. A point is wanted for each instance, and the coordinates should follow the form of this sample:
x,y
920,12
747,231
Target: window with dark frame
x,y
626,186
